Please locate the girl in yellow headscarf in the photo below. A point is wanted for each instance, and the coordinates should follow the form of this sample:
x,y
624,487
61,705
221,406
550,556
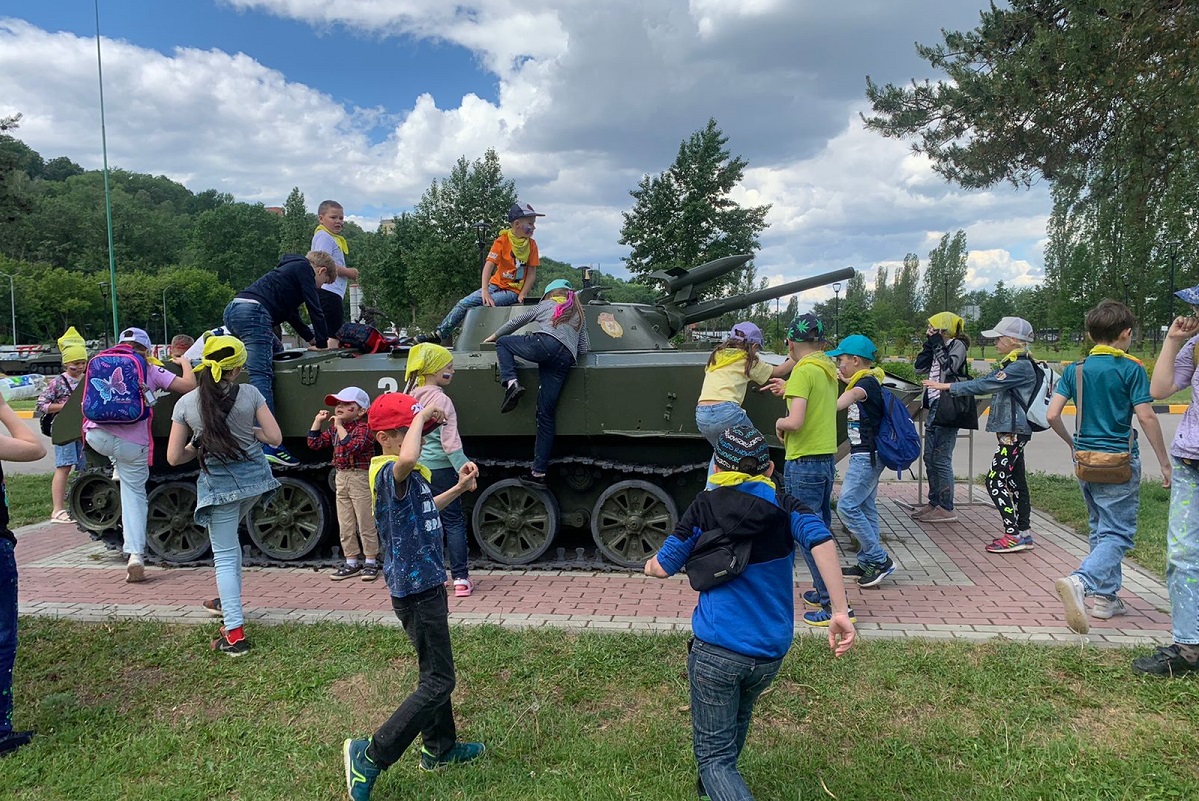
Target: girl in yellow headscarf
x,y
52,400
943,359
429,371
224,424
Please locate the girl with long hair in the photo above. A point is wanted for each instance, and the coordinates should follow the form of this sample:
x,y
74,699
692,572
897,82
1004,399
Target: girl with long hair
x,y
224,425
942,359
558,342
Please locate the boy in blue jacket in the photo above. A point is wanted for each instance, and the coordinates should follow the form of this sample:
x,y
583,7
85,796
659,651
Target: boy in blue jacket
x,y
743,628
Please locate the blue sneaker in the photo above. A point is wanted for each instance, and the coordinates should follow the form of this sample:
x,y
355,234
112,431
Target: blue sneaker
x,y
361,772
811,598
461,752
821,617
280,456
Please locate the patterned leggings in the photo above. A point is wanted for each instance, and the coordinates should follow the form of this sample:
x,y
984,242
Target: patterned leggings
x,y
1002,481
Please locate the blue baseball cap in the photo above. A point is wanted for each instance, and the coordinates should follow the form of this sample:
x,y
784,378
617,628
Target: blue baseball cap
x,y
856,345
559,283
1190,296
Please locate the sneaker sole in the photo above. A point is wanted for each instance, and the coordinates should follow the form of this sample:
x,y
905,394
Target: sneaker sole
x,y
1013,549
950,519
214,612
1076,614
135,574
824,624
1109,615
356,574
370,578
810,605
348,761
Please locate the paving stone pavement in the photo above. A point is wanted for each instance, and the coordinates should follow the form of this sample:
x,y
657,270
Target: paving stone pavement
x,y
945,587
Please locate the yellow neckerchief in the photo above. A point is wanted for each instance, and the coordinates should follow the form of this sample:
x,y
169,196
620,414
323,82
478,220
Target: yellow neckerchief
x,y
338,238
731,478
379,462
725,357
877,372
424,360
1108,350
520,247
1011,356
154,361
557,300
821,360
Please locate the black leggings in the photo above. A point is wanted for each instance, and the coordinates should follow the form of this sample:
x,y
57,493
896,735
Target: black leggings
x,y
1008,484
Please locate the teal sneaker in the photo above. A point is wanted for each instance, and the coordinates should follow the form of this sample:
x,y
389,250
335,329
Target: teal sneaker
x,y
361,772
461,752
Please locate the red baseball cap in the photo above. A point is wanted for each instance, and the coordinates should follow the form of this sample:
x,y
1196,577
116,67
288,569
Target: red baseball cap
x,y
394,410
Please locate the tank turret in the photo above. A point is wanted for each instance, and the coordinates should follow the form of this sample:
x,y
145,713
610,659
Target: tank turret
x,y
627,454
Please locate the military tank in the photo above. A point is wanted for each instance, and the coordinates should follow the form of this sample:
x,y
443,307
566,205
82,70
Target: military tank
x,y
627,454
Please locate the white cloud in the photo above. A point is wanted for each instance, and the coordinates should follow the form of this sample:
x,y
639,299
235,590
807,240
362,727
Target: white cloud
x,y
590,97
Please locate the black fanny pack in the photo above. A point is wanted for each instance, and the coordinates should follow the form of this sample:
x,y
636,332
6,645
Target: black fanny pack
x,y
716,559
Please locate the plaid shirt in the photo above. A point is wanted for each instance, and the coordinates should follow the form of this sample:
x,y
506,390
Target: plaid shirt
x,y
352,453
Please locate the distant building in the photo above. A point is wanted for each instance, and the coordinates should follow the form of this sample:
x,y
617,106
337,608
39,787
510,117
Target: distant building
x,y
387,226
276,210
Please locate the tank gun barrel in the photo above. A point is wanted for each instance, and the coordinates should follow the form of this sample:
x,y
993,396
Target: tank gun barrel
x,y
677,278
708,309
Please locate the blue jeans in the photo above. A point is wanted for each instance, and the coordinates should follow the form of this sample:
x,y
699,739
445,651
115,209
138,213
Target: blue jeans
x,y
502,297
132,463
938,461
1182,553
856,507
8,631
1113,522
223,520
251,323
70,455
453,522
724,687
716,418
554,362
812,483
428,710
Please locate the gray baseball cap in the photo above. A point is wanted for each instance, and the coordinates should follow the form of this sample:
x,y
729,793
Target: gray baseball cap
x,y
1014,327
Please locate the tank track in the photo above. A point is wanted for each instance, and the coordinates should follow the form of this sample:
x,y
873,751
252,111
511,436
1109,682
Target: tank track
x,y
581,559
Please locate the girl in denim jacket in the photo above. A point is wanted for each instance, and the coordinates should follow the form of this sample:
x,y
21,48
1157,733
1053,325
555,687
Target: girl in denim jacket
x,y
1012,383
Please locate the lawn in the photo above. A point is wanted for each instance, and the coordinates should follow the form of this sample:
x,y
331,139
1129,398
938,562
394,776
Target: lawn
x,y
1060,497
28,498
146,711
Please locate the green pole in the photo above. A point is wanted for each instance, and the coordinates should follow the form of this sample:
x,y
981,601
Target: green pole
x,y
112,258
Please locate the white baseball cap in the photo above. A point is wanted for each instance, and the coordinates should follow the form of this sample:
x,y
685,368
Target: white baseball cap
x,y
137,336
349,395
1014,327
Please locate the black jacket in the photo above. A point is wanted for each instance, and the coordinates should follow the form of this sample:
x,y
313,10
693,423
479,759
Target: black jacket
x,y
283,289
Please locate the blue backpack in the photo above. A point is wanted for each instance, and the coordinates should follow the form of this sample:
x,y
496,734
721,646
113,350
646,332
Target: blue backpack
x,y
114,387
897,440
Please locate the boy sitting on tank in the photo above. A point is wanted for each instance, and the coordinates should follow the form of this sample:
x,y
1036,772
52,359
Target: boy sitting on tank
x,y
509,272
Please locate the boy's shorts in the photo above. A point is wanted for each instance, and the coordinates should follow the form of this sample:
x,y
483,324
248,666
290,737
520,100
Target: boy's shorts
x,y
70,455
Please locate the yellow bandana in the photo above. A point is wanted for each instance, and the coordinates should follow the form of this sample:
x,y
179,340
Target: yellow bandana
x,y
725,357
520,247
426,359
821,360
379,462
1108,350
338,238
731,478
947,321
232,362
877,372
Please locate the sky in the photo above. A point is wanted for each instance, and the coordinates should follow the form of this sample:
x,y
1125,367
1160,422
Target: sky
x,y
369,101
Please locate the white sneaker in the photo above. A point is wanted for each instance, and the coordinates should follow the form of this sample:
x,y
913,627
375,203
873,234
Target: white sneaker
x,y
1107,608
1073,594
136,570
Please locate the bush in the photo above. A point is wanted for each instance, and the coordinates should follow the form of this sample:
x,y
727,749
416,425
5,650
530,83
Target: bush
x,y
902,370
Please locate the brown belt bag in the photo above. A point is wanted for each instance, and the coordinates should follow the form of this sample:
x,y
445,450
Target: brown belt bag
x,y
1099,467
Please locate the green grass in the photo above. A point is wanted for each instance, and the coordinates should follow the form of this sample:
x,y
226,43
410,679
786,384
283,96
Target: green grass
x,y
1060,497
28,498
146,711
25,405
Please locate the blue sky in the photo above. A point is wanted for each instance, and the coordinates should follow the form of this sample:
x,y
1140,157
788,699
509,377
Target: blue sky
x,y
370,101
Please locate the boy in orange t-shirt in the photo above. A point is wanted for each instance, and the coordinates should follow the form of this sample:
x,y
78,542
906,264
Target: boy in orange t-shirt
x,y
509,273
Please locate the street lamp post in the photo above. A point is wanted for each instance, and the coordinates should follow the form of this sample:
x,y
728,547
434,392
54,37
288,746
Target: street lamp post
x,y
12,299
776,318
166,342
945,281
1173,264
104,295
837,311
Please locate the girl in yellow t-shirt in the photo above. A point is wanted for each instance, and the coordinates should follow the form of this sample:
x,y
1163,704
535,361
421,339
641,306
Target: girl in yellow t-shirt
x,y
733,364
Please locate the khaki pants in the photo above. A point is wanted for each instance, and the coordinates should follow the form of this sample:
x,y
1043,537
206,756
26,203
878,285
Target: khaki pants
x,y
355,514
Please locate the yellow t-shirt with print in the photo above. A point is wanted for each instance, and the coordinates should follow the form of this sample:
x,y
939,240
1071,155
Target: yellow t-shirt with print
x,y
729,382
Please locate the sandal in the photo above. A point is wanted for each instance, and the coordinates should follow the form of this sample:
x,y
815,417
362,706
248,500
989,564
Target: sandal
x,y
61,516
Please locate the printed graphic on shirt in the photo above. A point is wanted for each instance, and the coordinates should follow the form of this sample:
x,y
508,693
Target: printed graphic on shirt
x,y
853,421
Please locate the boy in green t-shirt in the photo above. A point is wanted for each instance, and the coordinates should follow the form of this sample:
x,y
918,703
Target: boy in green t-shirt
x,y
809,434
1115,387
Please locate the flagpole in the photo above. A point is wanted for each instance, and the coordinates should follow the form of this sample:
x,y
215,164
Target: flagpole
x,y
112,259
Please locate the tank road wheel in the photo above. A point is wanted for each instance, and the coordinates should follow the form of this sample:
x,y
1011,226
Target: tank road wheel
x,y
292,524
515,524
631,520
95,501
171,532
